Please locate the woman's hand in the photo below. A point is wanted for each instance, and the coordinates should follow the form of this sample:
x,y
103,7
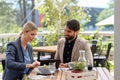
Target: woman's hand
x,y
36,64
33,65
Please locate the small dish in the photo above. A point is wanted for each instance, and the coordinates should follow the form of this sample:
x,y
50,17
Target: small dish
x,y
44,71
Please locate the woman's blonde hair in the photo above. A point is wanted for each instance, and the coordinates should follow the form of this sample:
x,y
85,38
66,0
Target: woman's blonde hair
x,y
29,26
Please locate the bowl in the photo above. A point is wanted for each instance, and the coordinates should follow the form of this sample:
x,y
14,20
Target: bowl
x,y
43,70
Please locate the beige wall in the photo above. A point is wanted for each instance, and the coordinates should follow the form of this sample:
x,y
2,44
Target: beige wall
x,y
117,40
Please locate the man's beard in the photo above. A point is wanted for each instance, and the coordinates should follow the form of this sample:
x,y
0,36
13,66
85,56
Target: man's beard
x,y
69,37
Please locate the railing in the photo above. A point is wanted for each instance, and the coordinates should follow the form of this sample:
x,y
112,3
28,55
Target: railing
x,y
104,33
5,38
11,36
86,33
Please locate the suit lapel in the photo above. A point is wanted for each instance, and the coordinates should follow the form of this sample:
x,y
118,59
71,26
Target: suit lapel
x,y
21,51
75,47
62,49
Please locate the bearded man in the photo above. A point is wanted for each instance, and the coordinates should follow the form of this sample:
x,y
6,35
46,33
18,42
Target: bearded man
x,y
68,47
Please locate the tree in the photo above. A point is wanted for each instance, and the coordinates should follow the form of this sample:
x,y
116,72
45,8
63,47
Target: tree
x,y
106,12
7,18
33,12
57,12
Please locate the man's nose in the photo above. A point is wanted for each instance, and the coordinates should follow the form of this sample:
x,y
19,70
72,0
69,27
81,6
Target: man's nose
x,y
65,32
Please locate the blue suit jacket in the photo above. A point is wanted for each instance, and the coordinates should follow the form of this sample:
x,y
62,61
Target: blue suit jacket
x,y
15,66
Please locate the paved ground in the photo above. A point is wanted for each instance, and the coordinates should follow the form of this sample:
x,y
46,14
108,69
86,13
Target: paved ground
x,y
0,76
112,73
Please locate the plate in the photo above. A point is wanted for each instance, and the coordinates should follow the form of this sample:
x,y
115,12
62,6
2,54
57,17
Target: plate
x,y
42,73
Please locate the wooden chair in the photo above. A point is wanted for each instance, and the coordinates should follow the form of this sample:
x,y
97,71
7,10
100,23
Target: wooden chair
x,y
100,59
3,64
94,47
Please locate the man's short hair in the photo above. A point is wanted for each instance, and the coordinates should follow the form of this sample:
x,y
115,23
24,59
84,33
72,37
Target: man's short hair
x,y
73,25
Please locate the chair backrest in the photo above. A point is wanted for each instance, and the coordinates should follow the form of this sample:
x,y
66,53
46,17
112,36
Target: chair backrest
x,y
94,47
47,61
3,64
108,50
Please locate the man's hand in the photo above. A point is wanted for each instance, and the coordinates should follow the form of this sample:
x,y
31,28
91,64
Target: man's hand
x,y
63,65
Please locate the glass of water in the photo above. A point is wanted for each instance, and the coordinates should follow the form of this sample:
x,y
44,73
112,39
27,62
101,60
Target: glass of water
x,y
52,68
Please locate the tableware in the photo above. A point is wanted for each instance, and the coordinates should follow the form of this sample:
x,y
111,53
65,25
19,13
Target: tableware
x,y
89,65
70,65
52,68
46,69
43,70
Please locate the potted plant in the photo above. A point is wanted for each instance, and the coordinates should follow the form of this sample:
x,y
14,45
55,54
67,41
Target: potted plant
x,y
78,67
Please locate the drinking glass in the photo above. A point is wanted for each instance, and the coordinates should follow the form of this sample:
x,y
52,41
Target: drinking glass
x,y
70,65
52,68
89,65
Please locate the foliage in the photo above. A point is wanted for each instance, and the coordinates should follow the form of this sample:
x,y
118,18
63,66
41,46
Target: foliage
x,y
10,29
110,65
7,18
106,12
1,69
56,13
79,66
3,48
12,14
94,36
35,42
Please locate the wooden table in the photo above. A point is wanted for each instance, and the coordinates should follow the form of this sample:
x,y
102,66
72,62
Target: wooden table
x,y
103,74
49,49
45,49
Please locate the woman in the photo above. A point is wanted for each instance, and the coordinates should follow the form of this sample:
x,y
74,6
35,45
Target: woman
x,y
19,59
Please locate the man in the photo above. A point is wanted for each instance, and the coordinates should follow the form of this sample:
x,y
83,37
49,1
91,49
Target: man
x,y
68,47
